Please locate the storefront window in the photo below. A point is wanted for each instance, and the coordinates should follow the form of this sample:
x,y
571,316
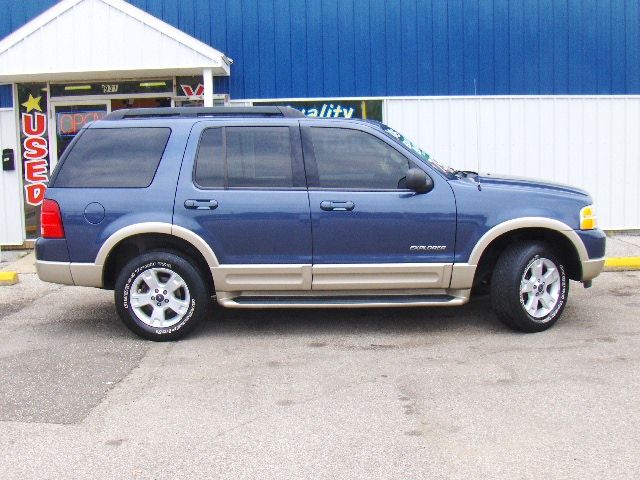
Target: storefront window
x,y
71,118
127,87
366,109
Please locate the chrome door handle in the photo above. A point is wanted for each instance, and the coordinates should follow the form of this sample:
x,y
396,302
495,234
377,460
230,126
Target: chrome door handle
x,y
201,204
330,206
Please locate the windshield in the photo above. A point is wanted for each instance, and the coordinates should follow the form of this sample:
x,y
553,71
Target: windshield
x,y
398,137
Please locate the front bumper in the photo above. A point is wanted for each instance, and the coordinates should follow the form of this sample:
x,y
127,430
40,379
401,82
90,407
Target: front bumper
x,y
591,268
594,242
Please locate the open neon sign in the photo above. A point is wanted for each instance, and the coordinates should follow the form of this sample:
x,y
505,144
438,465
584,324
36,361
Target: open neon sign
x,y
70,123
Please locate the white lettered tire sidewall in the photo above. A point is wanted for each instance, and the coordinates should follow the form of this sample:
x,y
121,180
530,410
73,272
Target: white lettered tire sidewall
x,y
197,303
506,296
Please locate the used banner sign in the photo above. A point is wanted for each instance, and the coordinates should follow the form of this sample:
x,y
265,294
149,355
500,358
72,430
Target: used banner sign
x,y
33,140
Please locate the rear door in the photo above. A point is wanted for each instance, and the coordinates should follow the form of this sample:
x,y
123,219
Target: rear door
x,y
242,189
368,231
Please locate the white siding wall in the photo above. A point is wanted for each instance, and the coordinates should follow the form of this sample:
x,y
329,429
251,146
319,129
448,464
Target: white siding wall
x,y
590,142
11,219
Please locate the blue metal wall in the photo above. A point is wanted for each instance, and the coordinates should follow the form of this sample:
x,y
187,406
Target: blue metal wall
x,y
6,96
330,48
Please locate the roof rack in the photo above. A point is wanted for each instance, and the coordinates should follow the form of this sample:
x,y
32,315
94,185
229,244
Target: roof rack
x,y
194,112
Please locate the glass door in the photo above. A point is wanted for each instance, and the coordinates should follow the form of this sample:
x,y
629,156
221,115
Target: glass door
x,y
68,119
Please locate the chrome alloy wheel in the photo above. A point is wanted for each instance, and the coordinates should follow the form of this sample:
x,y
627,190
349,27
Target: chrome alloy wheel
x,y
540,288
159,297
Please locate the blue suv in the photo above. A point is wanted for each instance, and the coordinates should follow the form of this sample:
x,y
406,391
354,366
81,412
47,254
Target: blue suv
x,y
265,208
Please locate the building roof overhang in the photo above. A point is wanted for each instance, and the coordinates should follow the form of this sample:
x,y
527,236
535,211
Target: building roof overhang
x,y
102,39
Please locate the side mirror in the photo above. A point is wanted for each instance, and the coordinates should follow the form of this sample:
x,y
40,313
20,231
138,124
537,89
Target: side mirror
x,y
418,181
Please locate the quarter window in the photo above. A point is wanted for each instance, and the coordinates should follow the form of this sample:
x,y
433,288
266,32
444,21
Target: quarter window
x,y
254,157
356,160
113,158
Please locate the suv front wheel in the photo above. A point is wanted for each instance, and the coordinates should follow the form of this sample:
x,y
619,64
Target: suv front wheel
x,y
529,287
160,296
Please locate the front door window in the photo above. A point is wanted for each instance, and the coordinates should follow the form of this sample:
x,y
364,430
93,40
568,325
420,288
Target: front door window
x,y
353,159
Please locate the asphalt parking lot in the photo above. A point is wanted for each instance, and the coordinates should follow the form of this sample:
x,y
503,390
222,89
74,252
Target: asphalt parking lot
x,y
394,393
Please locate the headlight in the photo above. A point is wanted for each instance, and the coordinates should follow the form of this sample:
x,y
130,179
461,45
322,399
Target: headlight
x,y
588,218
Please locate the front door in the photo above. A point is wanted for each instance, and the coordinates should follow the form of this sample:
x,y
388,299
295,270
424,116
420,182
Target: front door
x,y
368,231
246,197
68,118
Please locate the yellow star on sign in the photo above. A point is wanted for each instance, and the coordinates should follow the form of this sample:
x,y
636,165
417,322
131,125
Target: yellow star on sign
x,y
32,103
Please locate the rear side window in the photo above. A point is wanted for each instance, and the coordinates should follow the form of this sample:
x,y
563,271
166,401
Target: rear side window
x,y
249,157
210,162
114,158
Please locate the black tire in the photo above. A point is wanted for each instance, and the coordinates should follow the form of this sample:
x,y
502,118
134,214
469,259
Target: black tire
x,y
193,296
512,268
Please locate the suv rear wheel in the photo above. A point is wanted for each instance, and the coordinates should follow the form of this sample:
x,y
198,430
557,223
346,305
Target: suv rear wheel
x,y
160,296
529,287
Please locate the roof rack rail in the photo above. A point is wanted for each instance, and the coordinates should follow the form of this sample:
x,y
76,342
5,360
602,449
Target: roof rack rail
x,y
194,112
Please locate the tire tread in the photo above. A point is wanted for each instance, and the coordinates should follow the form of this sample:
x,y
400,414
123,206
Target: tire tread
x,y
505,285
197,289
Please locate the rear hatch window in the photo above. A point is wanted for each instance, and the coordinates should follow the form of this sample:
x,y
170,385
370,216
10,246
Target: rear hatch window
x,y
113,158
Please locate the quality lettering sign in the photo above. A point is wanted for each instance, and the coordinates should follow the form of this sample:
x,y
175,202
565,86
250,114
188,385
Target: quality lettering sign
x,y
336,108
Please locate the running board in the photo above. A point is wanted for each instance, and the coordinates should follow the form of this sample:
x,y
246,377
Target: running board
x,y
344,301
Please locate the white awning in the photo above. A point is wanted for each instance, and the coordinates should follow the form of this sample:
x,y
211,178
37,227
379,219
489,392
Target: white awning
x,y
102,39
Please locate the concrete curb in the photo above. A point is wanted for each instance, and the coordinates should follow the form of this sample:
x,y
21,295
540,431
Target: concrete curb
x,y
8,278
616,264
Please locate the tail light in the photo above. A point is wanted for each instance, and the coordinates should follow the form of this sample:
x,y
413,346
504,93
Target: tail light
x,y
51,220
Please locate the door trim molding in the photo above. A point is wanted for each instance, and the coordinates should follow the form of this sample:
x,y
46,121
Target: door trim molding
x,y
378,276
235,278
336,277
